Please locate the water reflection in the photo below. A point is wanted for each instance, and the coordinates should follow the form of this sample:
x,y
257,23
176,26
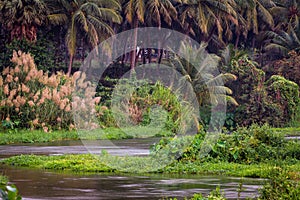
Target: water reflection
x,y
37,184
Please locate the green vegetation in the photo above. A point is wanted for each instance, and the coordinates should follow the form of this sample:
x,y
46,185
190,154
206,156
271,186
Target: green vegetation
x,y
280,187
245,145
123,133
39,136
255,44
8,192
92,164
36,136
214,195
257,152
289,131
74,163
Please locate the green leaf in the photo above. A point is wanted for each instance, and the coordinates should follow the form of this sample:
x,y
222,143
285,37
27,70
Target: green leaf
x,y
221,144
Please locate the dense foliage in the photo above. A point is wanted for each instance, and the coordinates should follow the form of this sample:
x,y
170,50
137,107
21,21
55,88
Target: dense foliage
x,y
43,41
274,100
31,98
280,187
60,33
245,145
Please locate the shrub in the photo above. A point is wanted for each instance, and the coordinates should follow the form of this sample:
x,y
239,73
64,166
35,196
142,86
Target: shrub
x,y
139,103
274,101
31,98
286,94
289,67
251,145
280,187
8,192
245,145
42,51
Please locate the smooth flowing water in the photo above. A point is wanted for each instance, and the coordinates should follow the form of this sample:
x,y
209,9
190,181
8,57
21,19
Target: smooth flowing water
x,y
40,184
131,147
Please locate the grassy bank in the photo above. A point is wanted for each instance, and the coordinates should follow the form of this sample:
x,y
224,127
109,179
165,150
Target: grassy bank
x,y
35,136
89,164
283,183
256,152
39,136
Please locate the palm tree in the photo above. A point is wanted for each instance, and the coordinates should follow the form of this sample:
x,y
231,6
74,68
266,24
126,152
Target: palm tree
x,y
23,17
134,11
160,13
287,14
201,69
208,16
88,18
254,15
280,43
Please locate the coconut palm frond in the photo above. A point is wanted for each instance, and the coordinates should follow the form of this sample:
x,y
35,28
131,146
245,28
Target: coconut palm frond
x,y
276,49
58,19
201,69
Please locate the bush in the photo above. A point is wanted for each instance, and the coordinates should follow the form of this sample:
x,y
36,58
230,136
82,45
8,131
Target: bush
x,y
31,98
42,51
274,101
139,103
8,192
245,145
289,67
280,187
284,93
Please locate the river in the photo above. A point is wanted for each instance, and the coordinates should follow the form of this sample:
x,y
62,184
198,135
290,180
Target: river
x,y
42,184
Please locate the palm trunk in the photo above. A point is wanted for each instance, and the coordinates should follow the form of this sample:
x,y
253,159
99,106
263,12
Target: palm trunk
x,y
149,50
237,41
160,55
82,50
158,51
70,66
133,53
143,56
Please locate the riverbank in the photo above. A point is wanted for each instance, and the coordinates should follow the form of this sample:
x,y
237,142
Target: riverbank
x,y
283,184
39,136
88,163
246,152
255,152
